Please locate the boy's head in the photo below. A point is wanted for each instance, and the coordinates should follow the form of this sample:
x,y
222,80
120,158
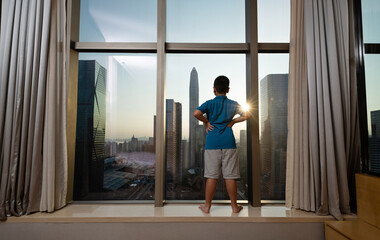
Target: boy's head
x,y
222,84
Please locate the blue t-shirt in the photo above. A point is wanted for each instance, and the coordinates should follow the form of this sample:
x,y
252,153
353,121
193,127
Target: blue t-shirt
x,y
220,111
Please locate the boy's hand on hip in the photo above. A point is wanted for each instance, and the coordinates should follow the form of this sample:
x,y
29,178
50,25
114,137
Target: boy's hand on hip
x,y
209,127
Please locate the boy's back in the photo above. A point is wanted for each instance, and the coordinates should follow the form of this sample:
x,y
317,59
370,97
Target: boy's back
x,y
220,112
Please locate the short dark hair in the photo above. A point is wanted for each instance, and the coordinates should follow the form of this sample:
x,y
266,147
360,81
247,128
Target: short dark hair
x,y
221,84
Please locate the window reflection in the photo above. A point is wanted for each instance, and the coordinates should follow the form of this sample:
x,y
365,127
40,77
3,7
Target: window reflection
x,y
115,140
118,21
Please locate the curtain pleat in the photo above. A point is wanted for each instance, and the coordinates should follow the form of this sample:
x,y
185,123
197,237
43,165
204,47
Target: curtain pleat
x,y
24,170
33,68
54,187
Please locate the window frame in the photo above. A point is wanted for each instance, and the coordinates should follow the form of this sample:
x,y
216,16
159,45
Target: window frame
x,y
251,48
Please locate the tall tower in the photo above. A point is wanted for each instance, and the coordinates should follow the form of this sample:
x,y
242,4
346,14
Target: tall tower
x,y
193,122
243,155
274,115
179,160
173,144
91,124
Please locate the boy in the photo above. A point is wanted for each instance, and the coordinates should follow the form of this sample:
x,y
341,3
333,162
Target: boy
x,y
220,149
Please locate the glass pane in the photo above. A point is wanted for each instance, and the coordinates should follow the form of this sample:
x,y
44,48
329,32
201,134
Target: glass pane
x,y
273,109
118,21
371,21
273,20
189,83
206,21
372,73
115,145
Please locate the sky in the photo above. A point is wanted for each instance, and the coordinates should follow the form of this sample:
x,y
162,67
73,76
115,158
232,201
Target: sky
x,y
371,21
131,78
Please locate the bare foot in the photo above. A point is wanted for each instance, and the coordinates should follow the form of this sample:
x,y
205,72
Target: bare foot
x,y
204,208
236,208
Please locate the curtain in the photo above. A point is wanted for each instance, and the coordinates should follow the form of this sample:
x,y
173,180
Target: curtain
x,y
323,110
34,48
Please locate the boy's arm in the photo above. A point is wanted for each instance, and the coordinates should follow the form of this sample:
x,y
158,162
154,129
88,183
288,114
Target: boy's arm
x,y
199,115
246,115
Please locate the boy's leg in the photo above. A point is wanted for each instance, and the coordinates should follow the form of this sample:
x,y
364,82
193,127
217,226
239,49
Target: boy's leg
x,y
232,193
210,190
213,164
231,172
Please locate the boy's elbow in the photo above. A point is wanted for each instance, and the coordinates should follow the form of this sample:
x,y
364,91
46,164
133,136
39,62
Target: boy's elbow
x,y
197,113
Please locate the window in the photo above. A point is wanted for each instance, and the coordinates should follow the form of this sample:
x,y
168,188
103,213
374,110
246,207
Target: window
x,y
273,69
273,88
219,21
273,20
136,62
115,144
371,38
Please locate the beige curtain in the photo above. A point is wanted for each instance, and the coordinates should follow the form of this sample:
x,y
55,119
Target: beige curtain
x,y
34,45
322,119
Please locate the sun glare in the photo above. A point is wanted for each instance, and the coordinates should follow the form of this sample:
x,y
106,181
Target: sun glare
x,y
245,107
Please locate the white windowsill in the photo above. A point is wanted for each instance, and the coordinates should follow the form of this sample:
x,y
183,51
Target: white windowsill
x,y
172,212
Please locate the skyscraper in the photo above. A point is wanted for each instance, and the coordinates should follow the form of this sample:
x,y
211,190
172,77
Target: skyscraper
x,y
185,154
273,140
133,145
180,161
154,133
173,142
375,123
90,138
197,134
242,147
374,142
193,122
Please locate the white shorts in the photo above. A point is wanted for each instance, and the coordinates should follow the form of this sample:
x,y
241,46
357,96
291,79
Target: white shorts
x,y
219,161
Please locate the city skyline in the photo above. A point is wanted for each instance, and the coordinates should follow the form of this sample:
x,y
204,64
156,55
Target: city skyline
x,y
115,165
107,170
123,74
135,71
120,76
182,166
